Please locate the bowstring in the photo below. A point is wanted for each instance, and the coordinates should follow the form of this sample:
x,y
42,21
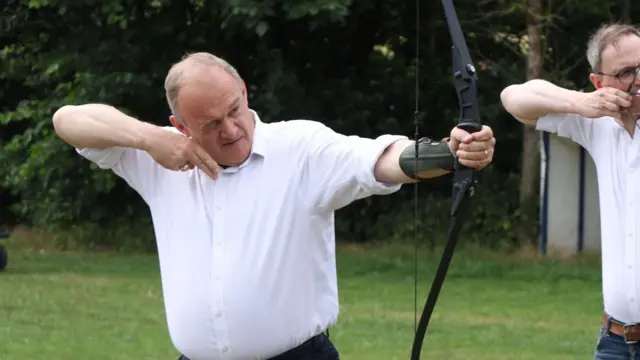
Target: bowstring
x,y
415,184
627,110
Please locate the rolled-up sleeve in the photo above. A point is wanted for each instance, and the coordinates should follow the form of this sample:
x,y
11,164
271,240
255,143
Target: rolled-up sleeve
x,y
103,158
573,126
135,166
340,168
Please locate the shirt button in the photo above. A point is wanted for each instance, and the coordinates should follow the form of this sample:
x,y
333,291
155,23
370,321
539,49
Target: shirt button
x,y
225,349
218,314
632,299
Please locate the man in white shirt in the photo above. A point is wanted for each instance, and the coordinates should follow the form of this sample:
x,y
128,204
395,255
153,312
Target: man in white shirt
x,y
243,211
604,122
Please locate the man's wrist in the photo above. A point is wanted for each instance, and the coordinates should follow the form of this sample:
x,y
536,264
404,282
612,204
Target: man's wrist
x,y
575,99
143,133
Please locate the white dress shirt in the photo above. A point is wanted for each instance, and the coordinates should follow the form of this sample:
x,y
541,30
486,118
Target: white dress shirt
x,y
247,261
617,159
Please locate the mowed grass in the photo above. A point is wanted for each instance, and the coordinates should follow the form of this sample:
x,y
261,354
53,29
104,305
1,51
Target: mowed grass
x,y
493,306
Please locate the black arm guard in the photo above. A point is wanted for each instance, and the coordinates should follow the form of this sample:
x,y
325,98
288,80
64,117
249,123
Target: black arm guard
x,y
431,155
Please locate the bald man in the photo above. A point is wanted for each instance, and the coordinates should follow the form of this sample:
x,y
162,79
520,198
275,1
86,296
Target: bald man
x,y
243,210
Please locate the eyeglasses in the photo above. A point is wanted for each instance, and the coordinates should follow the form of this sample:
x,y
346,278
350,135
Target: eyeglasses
x,y
626,76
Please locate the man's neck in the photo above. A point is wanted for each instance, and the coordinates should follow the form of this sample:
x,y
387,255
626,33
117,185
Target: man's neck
x,y
629,124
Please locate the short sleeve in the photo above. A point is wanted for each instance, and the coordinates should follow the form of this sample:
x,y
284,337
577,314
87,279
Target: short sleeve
x,y
135,166
573,126
340,168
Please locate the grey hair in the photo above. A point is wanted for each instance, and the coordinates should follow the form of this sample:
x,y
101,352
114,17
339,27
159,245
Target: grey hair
x,y
175,78
606,35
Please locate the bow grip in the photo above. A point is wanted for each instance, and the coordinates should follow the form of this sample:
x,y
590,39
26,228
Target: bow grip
x,y
470,126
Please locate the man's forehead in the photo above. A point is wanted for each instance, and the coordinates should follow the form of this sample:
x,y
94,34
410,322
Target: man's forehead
x,y
211,88
624,53
624,59
207,105
208,79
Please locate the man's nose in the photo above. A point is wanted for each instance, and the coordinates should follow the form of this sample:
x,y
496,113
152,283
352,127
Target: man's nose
x,y
228,129
635,84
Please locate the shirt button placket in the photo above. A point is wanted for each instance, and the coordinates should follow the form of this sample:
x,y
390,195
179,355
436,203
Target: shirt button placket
x,y
219,219
631,255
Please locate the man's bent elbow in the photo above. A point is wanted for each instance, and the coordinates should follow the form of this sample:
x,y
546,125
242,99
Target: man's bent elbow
x,y
61,117
61,113
509,98
511,101
66,124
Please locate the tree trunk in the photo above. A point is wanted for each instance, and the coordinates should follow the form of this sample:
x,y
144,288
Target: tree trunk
x,y
530,154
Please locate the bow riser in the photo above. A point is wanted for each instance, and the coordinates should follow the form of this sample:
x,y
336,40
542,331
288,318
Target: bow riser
x,y
464,75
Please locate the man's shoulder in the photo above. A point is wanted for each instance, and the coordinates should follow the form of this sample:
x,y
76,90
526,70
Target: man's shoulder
x,y
296,125
558,118
296,129
578,127
297,135
171,128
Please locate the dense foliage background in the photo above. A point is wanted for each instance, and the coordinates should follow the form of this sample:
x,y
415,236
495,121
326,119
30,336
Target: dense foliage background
x,y
349,64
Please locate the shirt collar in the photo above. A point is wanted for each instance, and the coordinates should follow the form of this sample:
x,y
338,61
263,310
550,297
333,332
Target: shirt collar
x,y
259,145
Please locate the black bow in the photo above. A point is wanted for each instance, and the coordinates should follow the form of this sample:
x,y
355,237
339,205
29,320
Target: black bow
x,y
464,74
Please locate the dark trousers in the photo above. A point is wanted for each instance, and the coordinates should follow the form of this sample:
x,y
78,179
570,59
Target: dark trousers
x,y
318,347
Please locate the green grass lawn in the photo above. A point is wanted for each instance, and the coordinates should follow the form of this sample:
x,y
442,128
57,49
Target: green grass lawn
x,y
109,306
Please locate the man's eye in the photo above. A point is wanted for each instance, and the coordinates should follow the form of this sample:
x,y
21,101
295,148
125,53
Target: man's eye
x,y
211,126
627,72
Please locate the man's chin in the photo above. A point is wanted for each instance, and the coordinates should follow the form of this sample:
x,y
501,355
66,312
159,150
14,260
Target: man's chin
x,y
236,156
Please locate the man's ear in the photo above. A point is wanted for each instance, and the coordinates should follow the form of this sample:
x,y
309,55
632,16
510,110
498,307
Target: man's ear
x,y
178,125
596,80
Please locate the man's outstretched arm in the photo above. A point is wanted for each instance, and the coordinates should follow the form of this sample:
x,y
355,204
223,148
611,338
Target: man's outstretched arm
x,y
533,99
397,164
99,126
